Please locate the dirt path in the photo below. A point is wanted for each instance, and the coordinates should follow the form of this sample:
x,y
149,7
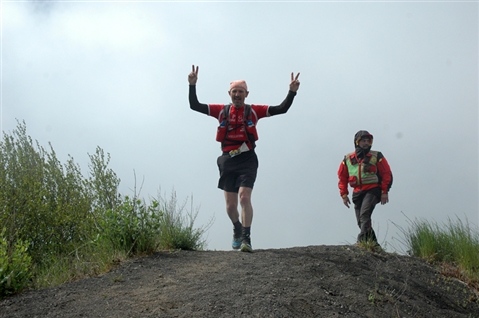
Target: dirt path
x,y
313,281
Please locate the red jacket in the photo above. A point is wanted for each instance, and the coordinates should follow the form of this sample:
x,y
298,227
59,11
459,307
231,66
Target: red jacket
x,y
384,173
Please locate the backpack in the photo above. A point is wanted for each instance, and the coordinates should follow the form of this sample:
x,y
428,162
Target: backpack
x,y
246,116
248,125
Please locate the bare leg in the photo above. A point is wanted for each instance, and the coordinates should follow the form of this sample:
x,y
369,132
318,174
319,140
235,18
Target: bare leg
x,y
246,206
246,215
231,199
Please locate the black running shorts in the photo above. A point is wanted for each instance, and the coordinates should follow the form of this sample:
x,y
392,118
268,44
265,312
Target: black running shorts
x,y
238,171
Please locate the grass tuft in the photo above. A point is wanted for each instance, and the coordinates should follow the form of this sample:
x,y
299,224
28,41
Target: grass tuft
x,y
454,246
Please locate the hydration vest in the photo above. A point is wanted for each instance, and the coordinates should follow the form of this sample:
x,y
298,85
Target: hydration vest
x,y
364,172
247,124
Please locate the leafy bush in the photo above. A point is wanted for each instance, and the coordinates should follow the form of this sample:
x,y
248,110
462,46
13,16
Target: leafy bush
x,y
51,206
136,227
48,208
15,266
59,225
132,227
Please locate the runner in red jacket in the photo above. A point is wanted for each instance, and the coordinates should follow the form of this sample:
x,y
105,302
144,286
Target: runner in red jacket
x,y
238,164
368,173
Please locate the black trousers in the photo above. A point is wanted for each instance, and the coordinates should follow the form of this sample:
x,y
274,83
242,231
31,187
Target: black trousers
x,y
364,204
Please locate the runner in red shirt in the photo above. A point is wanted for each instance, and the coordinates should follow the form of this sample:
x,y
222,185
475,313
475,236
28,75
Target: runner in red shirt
x,y
238,164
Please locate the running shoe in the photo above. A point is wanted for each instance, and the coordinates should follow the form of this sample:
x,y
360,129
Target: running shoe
x,y
246,244
236,244
245,247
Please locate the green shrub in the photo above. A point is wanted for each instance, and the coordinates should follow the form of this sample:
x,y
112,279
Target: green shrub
x,y
136,227
60,225
132,227
15,266
50,205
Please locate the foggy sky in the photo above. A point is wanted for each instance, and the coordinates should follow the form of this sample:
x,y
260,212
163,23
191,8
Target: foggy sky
x,y
114,75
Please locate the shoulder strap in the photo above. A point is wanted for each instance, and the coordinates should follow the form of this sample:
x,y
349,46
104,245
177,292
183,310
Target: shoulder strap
x,y
226,112
247,111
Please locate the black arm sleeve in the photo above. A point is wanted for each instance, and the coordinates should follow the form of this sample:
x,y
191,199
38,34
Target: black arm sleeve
x,y
194,103
284,106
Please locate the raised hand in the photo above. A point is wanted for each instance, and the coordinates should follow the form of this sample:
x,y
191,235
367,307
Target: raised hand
x,y
193,76
294,85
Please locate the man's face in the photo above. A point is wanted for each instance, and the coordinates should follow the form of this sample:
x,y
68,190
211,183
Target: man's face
x,y
238,95
365,142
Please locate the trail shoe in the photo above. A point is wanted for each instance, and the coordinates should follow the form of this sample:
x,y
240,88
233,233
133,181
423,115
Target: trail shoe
x,y
237,235
246,245
236,244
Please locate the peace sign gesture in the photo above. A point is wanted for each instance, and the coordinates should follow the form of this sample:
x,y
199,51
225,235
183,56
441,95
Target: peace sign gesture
x,y
193,76
294,85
